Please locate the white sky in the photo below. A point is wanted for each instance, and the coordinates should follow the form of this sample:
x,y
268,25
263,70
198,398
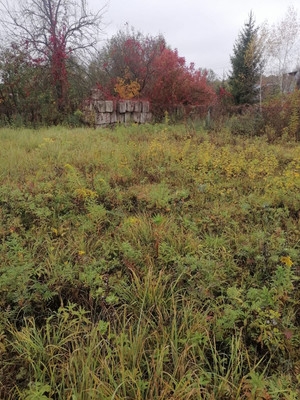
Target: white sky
x,y
203,31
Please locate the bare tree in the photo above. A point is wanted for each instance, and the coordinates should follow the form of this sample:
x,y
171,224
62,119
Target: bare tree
x,y
282,47
51,31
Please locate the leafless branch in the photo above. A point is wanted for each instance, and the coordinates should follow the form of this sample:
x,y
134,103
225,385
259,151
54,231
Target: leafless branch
x,y
33,22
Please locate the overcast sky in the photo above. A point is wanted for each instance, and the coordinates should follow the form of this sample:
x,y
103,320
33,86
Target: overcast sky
x,y
203,31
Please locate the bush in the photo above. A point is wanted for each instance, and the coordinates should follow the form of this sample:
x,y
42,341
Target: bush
x,y
281,116
249,124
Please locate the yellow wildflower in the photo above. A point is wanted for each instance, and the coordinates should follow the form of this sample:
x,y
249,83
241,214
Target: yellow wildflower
x,y
286,260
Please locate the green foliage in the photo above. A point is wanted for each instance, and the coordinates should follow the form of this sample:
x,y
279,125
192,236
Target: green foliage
x,y
249,124
27,97
260,312
277,118
154,262
246,65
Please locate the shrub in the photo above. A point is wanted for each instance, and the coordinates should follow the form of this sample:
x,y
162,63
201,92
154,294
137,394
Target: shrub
x,y
249,124
281,116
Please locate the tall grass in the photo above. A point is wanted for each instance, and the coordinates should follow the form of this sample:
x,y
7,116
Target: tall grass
x,y
148,262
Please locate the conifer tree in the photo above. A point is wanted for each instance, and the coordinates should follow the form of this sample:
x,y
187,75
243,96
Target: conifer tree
x,y
246,65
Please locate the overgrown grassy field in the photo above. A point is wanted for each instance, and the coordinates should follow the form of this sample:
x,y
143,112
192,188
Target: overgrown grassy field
x,y
150,262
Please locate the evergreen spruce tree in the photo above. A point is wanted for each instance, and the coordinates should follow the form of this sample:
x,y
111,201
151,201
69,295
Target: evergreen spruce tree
x,y
246,65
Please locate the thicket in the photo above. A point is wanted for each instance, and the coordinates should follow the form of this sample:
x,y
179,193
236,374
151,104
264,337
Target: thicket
x,y
153,262
277,118
44,50
52,90
163,76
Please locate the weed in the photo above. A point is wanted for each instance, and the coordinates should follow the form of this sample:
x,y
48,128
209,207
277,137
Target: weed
x,y
153,262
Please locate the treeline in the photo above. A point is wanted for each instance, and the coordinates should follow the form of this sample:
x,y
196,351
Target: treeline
x,y
129,66
47,70
49,64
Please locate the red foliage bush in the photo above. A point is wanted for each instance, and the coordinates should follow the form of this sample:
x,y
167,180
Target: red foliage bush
x,y
281,116
175,83
163,76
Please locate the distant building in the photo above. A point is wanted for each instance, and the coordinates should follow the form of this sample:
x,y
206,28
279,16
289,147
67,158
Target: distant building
x,y
272,85
296,75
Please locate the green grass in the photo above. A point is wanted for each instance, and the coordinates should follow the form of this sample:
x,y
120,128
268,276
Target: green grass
x,y
148,262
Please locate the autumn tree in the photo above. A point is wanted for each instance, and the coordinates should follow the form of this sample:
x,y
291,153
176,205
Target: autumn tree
x,y
50,32
126,88
161,75
247,65
127,55
177,83
282,48
25,94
